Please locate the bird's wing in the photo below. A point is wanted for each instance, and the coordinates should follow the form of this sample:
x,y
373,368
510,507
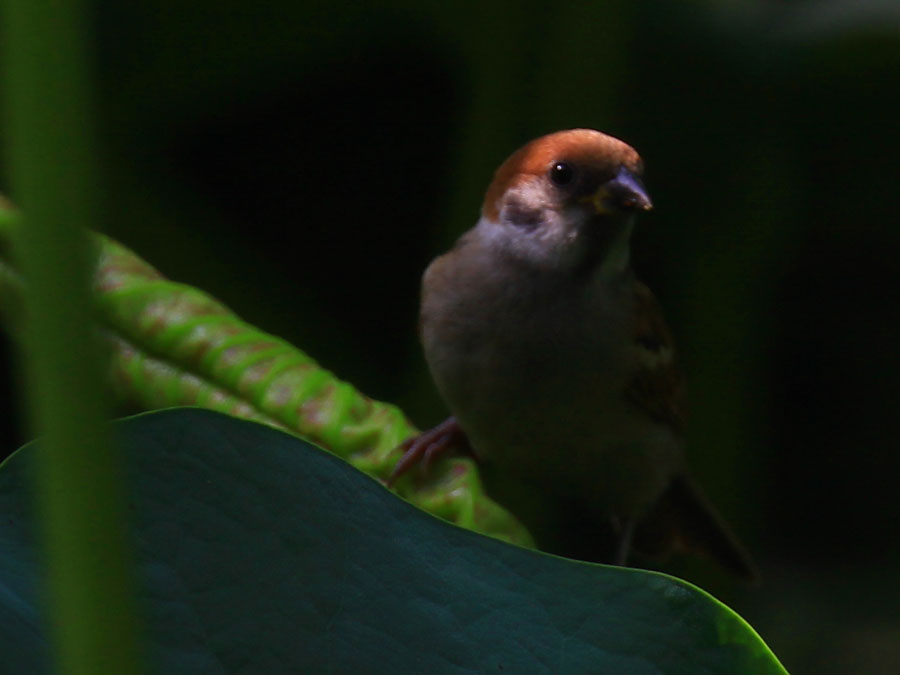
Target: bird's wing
x,y
683,518
657,387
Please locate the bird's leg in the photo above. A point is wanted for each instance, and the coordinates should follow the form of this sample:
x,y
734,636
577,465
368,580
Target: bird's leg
x,y
626,530
425,447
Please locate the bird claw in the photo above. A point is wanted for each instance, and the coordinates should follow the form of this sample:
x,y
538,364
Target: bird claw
x,y
427,446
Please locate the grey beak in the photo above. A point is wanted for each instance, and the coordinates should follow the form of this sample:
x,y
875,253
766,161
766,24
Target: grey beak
x,y
628,192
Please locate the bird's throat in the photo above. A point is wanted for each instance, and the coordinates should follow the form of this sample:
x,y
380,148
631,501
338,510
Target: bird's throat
x,y
618,254
607,254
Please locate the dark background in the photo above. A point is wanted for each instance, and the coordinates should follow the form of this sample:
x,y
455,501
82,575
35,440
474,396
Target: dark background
x,y
304,161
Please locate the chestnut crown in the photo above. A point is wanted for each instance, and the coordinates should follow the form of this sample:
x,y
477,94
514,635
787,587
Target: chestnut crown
x,y
570,166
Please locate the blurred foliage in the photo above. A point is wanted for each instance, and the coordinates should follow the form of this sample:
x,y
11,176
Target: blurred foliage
x,y
77,486
304,161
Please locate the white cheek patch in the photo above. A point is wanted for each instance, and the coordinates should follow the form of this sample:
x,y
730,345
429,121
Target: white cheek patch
x,y
525,204
532,191
530,228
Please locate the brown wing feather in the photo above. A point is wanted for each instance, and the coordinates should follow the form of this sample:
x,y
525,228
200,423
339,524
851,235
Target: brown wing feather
x,y
683,519
657,387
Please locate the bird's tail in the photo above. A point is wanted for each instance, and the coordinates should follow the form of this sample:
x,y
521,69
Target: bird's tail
x,y
686,521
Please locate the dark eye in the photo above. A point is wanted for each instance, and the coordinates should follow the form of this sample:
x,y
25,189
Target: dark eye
x,y
562,174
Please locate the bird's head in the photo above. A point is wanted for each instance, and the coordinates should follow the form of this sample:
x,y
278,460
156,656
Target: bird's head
x,y
566,200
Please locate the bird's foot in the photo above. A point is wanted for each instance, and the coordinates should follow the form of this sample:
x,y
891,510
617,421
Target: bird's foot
x,y
424,448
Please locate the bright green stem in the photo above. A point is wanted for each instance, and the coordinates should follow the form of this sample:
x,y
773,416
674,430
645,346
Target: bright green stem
x,y
80,493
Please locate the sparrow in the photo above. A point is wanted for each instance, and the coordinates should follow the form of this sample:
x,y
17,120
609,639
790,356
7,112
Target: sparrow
x,y
558,366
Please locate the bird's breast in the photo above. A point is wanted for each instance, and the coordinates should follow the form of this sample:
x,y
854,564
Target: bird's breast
x,y
534,371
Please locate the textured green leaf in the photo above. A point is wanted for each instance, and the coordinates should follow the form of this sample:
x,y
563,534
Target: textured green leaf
x,y
172,344
260,553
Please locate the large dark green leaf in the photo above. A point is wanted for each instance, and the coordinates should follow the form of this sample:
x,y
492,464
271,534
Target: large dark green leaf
x,y
260,553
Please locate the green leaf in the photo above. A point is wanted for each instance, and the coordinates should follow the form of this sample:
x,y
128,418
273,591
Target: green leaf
x,y
260,553
171,344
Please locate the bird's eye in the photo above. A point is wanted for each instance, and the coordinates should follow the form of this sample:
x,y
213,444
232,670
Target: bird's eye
x,y
562,174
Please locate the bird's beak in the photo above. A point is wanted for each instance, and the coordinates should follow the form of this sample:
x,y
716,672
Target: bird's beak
x,y
623,193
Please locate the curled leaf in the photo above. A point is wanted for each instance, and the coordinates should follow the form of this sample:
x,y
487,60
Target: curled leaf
x,y
174,345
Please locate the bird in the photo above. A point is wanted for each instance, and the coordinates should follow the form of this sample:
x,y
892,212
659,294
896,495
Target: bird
x,y
558,367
